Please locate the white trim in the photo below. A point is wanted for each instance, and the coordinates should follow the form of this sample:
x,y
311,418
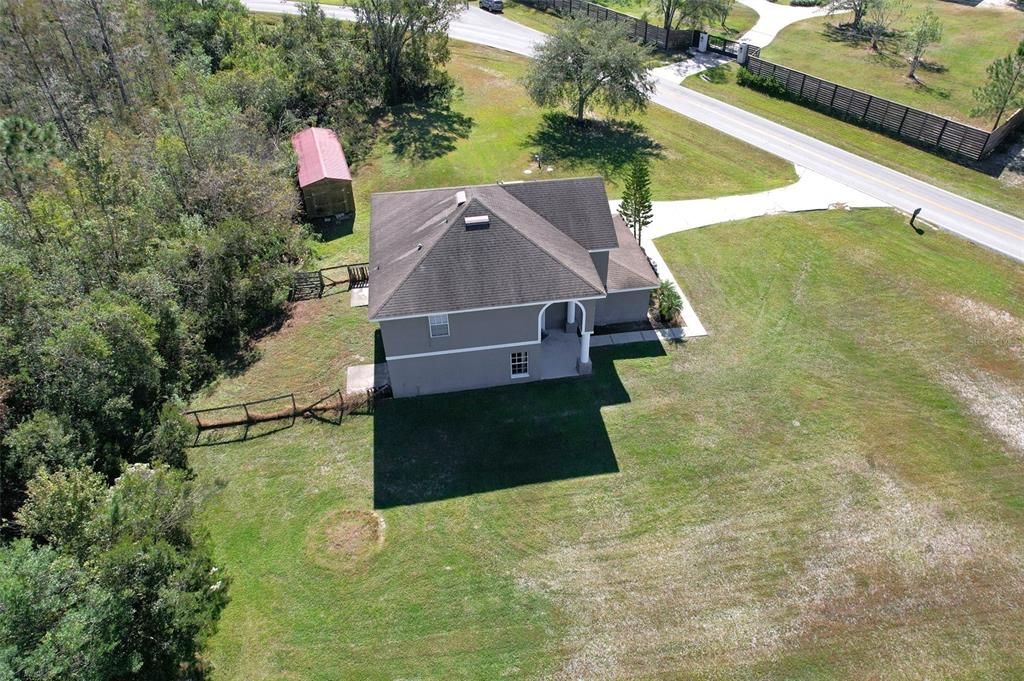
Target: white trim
x,y
481,309
630,290
602,250
458,350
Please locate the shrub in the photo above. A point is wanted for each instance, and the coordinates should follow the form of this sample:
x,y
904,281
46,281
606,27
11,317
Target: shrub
x,y
667,301
806,3
766,84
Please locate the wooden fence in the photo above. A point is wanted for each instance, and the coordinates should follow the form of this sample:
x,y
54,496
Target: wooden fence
x,y
307,285
917,127
287,407
637,28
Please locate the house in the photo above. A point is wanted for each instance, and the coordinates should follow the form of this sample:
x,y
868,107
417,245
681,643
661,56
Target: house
x,y
496,284
324,177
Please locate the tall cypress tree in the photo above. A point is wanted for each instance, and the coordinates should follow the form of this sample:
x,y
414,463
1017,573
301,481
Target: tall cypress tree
x,y
636,208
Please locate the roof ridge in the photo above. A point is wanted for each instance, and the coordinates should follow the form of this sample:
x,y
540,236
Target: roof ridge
x,y
499,183
425,252
557,231
319,151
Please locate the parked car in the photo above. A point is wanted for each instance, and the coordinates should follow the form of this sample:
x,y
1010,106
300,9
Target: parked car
x,y
492,5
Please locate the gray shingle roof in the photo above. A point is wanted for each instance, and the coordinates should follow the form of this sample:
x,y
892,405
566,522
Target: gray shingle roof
x,y
577,206
628,267
423,259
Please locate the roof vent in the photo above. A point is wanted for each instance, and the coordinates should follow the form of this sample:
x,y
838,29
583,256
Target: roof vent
x,y
460,198
478,222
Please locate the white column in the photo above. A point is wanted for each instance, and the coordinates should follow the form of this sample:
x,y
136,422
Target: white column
x,y
570,312
585,347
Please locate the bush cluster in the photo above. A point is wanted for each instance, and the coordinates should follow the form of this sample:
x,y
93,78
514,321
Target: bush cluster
x,y
766,84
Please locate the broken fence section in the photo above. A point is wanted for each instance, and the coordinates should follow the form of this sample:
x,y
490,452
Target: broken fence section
x,y
280,412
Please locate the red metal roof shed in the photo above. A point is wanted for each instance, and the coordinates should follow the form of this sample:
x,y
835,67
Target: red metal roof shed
x,y
320,156
324,177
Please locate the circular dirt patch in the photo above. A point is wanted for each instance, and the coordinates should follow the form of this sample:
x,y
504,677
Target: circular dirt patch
x,y
343,539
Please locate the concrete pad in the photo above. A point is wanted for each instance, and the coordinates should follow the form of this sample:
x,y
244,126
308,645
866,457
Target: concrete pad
x,y
365,376
649,335
627,337
360,297
599,341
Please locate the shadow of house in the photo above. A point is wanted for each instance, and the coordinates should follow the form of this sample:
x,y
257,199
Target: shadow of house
x,y
457,444
608,146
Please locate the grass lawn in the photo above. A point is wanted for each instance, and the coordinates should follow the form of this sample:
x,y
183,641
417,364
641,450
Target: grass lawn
x,y
493,130
973,37
527,15
740,20
975,184
829,486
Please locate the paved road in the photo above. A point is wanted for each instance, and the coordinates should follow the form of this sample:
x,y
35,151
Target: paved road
x,y
969,219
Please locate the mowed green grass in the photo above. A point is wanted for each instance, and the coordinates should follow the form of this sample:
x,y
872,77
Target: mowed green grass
x,y
972,183
973,37
689,160
823,488
740,20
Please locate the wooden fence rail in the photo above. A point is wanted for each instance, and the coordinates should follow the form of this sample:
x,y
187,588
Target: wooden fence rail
x,y
307,285
248,414
917,127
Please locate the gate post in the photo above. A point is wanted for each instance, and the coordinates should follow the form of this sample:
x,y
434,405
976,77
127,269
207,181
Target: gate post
x,y
741,56
703,45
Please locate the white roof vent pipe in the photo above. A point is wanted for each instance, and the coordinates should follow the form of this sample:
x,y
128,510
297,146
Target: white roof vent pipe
x,y
460,198
478,222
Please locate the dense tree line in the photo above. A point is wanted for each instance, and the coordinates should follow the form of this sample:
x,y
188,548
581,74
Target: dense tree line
x,y
149,224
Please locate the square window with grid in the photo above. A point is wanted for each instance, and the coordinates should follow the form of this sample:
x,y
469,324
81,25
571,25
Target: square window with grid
x,y
438,325
520,364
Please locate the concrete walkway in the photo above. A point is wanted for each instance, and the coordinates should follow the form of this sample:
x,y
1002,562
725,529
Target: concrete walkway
x,y
811,192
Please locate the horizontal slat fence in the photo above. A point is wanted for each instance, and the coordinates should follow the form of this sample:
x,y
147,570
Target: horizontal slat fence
x,y
919,127
1003,131
637,28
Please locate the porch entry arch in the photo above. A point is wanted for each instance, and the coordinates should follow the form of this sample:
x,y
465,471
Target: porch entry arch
x,y
571,306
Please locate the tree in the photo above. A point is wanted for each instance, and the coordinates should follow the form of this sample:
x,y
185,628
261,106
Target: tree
x,y
120,586
25,148
636,209
882,18
699,14
858,7
668,9
405,42
587,60
924,32
1004,88
693,13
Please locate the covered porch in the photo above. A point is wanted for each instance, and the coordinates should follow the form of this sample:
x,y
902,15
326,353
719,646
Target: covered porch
x,y
566,346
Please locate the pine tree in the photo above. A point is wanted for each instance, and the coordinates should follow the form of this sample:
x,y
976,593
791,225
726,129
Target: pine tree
x,y
636,208
1004,88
